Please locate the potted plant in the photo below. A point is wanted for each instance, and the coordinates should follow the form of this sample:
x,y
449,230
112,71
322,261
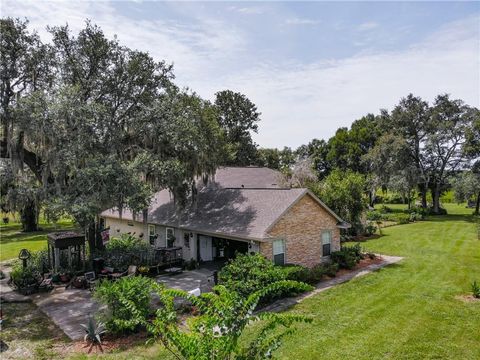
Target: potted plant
x,y
64,275
144,270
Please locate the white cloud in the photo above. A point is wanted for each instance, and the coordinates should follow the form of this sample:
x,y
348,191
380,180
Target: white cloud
x,y
250,10
301,21
367,26
298,102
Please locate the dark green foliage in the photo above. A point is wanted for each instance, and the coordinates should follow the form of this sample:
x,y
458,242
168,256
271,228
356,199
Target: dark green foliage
x,y
249,273
192,264
476,289
22,277
126,242
238,117
37,264
224,316
343,192
127,302
126,250
312,275
348,256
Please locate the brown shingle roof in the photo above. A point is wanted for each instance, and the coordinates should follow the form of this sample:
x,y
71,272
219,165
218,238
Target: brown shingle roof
x,y
226,208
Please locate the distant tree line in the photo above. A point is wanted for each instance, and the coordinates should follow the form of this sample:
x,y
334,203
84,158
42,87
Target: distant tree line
x,y
416,148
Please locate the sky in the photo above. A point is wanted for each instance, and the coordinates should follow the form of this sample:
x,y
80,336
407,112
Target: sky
x,y
310,67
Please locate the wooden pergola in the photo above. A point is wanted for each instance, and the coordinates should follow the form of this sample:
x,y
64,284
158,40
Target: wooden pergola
x,y
74,242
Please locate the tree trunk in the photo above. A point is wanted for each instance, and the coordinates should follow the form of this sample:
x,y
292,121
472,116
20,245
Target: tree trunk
x,y
477,207
436,198
28,217
423,194
90,232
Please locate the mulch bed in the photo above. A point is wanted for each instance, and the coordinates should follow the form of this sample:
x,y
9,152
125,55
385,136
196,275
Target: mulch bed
x,y
362,264
468,298
109,343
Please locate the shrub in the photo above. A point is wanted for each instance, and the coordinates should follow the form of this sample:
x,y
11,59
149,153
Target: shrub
x,y
375,215
127,302
347,257
192,264
249,273
216,333
312,275
126,243
120,252
23,276
476,290
369,229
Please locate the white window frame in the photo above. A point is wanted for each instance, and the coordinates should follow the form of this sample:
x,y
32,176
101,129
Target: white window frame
x,y
327,231
150,234
166,234
284,248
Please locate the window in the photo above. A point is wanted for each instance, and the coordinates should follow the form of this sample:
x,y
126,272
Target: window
x,y
279,252
102,223
169,237
326,242
151,234
186,240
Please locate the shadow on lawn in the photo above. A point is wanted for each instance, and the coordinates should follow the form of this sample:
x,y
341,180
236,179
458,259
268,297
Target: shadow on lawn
x,y
25,321
453,217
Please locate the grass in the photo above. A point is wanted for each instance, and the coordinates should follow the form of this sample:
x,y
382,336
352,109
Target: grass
x,y
29,333
409,310
12,239
405,311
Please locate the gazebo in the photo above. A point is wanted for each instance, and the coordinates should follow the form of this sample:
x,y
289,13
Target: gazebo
x,y
71,241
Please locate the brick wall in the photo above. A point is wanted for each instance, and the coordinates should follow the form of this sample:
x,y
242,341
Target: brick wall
x,y
301,228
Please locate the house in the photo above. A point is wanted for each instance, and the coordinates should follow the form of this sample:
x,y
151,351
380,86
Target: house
x,y
243,209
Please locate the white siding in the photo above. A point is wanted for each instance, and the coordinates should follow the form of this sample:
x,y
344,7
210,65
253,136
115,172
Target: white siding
x,y
122,226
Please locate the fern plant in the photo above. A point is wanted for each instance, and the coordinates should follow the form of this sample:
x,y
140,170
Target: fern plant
x,y
224,315
93,333
476,290
127,300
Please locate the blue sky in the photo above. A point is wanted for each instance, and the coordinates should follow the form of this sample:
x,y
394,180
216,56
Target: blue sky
x,y
310,67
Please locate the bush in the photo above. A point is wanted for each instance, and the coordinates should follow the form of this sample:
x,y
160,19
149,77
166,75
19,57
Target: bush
x,y
121,252
126,243
247,274
347,257
375,215
312,275
24,276
127,302
476,290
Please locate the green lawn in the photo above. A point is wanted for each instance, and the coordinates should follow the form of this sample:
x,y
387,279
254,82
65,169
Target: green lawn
x,y
12,239
405,311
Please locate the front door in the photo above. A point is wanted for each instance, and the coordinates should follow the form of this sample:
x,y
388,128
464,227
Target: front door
x,y
205,247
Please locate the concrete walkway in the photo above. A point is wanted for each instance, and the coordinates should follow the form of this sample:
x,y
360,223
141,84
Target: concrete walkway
x,y
68,308
283,304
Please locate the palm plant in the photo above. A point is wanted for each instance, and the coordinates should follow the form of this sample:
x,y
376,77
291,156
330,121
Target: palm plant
x,y
94,331
224,315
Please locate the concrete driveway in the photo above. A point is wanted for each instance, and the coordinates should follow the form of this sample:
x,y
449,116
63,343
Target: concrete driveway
x,y
189,280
